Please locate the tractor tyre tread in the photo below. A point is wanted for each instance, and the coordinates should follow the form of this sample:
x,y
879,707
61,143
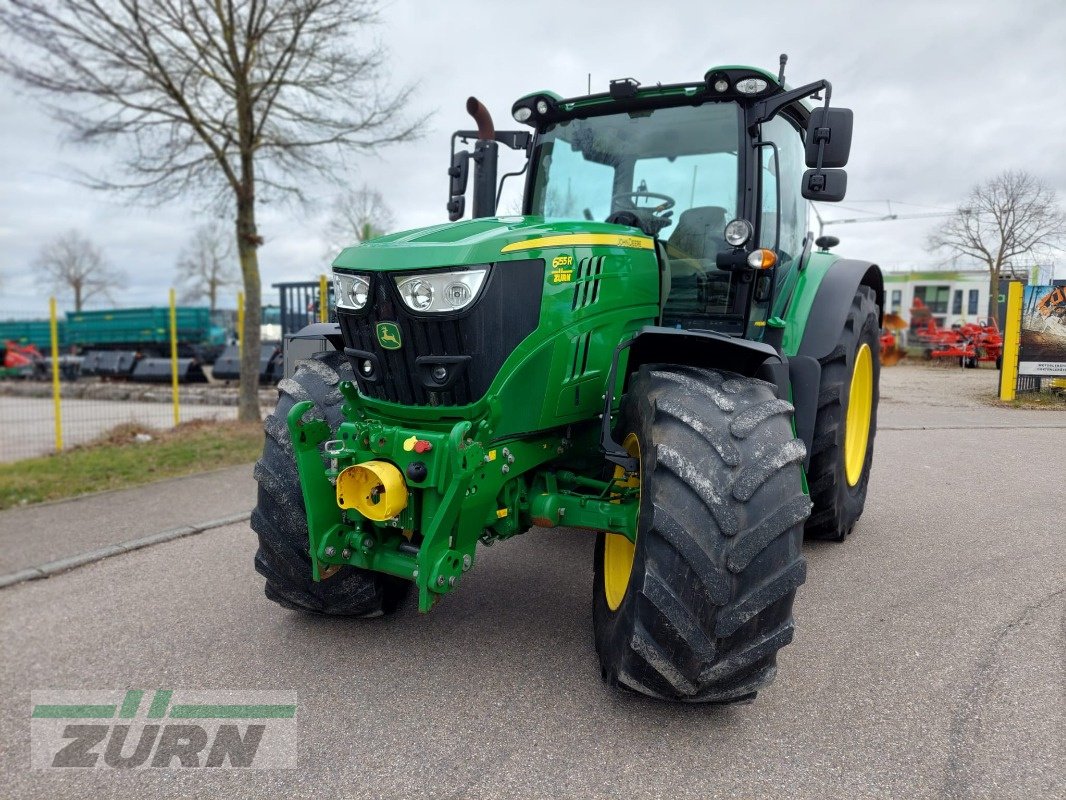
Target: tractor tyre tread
x,y
718,553
280,519
837,506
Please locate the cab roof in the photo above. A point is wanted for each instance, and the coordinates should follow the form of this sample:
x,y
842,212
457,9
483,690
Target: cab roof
x,y
736,83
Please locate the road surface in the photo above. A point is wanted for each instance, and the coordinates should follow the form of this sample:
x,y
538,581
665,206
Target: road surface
x,y
928,659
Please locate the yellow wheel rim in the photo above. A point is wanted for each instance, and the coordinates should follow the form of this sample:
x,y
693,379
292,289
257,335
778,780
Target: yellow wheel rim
x,y
618,551
860,408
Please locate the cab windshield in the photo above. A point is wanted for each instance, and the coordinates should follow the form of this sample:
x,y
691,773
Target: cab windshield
x,y
675,170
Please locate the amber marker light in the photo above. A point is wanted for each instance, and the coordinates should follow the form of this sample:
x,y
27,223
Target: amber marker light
x,y
762,259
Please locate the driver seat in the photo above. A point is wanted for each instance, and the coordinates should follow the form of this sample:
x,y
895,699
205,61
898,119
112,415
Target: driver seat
x,y
690,252
698,234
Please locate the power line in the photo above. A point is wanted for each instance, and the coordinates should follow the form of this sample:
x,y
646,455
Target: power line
x,y
902,203
890,217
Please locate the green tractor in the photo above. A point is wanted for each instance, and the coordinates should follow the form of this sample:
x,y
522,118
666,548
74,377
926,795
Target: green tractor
x,y
655,351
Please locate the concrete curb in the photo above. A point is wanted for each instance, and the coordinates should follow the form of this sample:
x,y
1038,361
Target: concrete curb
x,y
51,568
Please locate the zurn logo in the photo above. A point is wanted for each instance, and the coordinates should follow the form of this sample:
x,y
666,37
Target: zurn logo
x,y
163,729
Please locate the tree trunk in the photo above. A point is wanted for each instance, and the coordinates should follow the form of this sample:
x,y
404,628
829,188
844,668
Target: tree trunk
x,y
247,250
77,298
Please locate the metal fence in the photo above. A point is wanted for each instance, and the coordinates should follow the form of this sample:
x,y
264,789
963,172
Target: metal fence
x,y
56,394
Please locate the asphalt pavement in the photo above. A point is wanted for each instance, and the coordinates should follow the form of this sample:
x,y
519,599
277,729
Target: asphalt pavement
x,y
928,659
43,533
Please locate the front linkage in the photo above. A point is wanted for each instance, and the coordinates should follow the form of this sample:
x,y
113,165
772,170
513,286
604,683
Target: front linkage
x,y
414,503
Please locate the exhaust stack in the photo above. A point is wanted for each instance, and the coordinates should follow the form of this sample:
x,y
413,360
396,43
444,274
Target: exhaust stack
x,y
486,156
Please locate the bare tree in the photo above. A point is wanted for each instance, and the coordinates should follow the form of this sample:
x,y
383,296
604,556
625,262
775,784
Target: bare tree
x,y
358,215
236,98
78,268
1010,217
206,265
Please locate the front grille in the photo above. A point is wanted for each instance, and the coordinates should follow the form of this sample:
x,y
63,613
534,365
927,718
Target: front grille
x,y
507,311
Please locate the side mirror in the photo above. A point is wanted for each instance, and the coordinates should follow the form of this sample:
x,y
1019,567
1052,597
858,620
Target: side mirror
x,y
458,172
833,127
827,185
456,208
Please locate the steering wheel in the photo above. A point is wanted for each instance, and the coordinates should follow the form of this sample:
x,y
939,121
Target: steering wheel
x,y
666,205
650,219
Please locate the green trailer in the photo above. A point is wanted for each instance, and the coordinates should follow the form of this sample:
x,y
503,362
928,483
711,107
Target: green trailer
x,y
139,328
34,332
656,350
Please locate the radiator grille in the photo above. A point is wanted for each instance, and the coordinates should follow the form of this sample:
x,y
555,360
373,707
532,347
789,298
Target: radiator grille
x,y
507,311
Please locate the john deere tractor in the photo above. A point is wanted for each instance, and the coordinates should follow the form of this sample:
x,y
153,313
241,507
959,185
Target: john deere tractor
x,y
655,351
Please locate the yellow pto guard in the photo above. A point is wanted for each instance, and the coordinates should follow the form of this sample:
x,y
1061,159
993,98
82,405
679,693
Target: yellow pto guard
x,y
375,489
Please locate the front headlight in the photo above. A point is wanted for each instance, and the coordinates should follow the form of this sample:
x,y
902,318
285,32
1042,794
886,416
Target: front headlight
x,y
441,292
351,291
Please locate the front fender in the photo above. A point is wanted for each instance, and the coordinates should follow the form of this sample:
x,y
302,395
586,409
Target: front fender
x,y
675,346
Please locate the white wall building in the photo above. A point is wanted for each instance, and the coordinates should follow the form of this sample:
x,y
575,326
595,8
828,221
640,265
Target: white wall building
x,y
952,297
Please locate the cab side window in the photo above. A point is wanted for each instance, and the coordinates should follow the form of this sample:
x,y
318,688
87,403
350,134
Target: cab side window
x,y
784,164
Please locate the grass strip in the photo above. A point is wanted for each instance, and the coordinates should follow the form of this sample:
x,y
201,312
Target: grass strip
x,y
129,455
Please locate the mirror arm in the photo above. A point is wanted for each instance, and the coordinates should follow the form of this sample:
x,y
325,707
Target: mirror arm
x,y
516,140
766,109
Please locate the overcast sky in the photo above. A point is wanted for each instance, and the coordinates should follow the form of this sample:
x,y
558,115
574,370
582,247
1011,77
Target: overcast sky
x,y
945,94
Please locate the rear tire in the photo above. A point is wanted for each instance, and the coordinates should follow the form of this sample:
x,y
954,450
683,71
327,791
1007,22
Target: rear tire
x,y
838,504
718,552
280,519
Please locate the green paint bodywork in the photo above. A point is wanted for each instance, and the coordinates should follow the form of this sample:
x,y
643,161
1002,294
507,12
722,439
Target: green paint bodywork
x,y
527,452
627,299
796,297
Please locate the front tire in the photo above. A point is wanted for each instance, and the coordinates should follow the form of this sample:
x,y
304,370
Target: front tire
x,y
280,519
718,556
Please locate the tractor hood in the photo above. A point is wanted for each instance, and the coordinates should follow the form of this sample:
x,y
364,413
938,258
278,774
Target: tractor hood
x,y
474,241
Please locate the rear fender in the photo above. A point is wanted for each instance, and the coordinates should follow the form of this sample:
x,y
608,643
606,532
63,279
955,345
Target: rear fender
x,y
832,301
823,312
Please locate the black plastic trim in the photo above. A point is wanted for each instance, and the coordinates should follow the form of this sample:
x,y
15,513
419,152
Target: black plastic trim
x,y
681,347
805,376
355,356
456,366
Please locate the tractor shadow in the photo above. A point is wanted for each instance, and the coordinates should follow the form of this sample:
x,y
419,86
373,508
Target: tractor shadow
x,y
521,620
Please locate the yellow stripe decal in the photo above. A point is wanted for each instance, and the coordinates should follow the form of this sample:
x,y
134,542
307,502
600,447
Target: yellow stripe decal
x,y
582,240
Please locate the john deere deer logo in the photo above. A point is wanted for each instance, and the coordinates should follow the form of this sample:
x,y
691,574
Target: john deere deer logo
x,y
389,335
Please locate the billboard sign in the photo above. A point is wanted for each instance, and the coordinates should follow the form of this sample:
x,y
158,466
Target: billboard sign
x,y
1042,349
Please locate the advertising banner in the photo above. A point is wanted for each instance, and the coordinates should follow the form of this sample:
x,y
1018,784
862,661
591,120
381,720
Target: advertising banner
x,y
1043,337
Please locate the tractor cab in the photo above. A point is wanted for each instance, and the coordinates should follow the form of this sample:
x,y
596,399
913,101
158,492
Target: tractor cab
x,y
715,171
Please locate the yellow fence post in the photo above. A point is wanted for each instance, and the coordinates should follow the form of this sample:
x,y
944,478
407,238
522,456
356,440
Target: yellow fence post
x,y
1012,333
174,356
323,299
56,402
240,320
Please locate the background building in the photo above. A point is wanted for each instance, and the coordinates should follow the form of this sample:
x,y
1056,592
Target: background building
x,y
952,297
